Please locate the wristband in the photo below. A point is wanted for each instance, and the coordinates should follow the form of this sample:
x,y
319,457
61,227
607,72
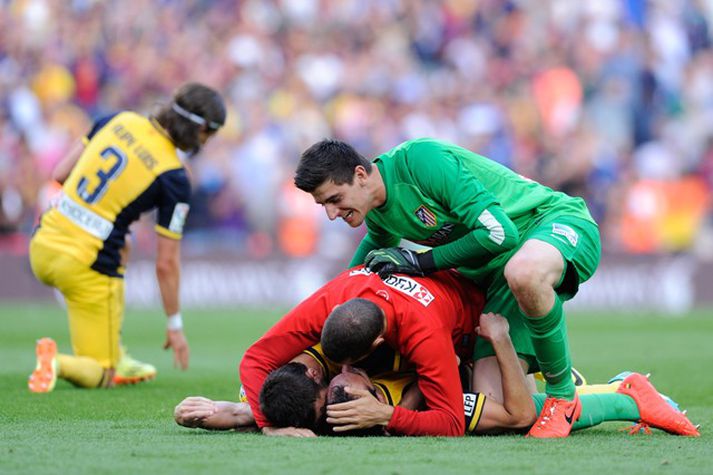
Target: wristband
x,y
426,261
175,322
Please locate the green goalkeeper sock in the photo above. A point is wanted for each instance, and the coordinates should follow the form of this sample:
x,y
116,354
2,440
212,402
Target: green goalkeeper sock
x,y
549,338
598,408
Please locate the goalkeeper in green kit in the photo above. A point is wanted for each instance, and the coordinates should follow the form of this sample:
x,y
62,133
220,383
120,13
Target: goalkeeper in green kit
x,y
528,245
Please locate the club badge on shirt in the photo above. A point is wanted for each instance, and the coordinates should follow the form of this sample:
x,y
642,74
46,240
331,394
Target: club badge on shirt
x,y
426,216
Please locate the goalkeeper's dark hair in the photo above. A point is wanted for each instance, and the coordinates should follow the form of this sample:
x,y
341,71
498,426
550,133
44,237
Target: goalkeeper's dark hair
x,y
193,108
328,160
337,394
350,330
287,397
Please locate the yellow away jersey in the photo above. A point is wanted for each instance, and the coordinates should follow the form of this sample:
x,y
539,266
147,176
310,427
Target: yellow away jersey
x,y
330,368
393,387
384,360
129,166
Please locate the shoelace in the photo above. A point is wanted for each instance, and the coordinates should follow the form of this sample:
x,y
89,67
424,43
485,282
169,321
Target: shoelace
x,y
546,418
640,427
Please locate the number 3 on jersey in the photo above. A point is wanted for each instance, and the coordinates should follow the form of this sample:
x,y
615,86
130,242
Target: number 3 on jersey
x,y
109,154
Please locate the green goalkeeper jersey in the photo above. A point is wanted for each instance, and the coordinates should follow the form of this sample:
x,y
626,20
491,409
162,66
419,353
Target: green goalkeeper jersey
x,y
470,209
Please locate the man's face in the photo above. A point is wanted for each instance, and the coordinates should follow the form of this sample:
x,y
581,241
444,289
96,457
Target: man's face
x,y
349,202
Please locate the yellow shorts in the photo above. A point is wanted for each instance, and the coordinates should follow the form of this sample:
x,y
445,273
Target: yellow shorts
x,y
95,302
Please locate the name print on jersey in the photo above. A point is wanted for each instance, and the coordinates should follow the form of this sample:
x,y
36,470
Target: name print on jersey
x,y
141,152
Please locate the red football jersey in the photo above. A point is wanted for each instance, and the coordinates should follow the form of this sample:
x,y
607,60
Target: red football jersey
x,y
429,321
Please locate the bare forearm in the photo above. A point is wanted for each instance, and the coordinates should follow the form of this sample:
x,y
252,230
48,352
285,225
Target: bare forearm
x,y
517,399
169,275
200,412
230,415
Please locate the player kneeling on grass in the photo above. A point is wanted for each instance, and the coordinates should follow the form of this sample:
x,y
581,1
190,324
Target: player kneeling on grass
x,y
126,165
293,398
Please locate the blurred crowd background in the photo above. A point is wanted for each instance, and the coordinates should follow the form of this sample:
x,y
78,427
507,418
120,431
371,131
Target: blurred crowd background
x,y
610,100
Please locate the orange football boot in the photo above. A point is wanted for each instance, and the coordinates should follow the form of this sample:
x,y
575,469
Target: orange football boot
x,y
44,377
654,411
556,418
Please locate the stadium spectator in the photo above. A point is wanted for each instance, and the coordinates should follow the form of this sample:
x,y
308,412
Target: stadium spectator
x,y
372,73
126,165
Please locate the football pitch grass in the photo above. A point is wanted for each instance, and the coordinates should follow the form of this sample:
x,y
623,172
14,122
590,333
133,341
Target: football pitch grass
x,y
131,430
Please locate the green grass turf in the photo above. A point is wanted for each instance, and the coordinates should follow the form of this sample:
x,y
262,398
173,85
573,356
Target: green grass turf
x,y
131,430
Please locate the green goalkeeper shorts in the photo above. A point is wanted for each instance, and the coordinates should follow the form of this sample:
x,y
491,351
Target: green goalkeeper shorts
x,y
578,242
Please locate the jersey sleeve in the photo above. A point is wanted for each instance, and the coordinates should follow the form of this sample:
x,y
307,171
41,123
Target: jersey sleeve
x,y
97,126
173,203
439,382
451,184
299,329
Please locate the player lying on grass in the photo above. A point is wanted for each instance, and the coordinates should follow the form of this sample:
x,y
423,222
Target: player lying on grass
x,y
430,322
295,394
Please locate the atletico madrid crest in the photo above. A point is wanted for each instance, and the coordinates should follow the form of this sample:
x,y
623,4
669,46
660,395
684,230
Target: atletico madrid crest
x,y
426,216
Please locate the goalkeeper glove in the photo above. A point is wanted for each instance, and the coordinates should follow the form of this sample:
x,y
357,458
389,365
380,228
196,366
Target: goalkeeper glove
x,y
397,260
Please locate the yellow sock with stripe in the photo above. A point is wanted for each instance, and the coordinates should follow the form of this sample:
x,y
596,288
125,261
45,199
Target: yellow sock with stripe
x,y
81,371
598,388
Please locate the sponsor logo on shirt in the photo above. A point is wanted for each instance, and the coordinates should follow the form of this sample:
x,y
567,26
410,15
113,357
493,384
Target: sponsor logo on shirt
x,y
405,285
180,212
426,216
85,218
566,231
